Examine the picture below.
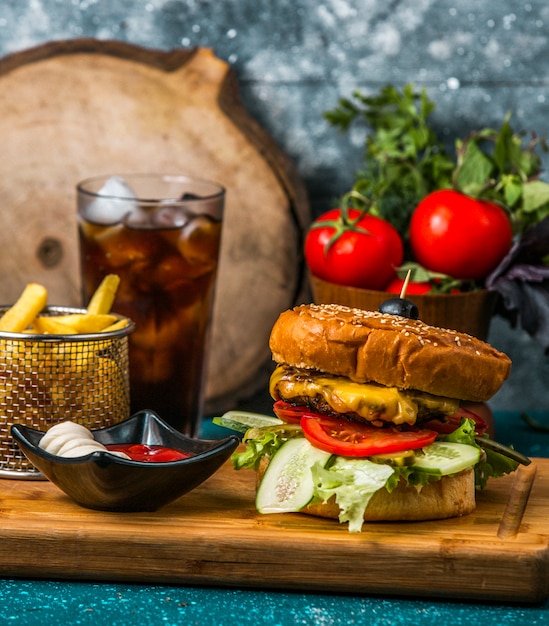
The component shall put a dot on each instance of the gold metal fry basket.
(46, 379)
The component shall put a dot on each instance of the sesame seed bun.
(367, 346)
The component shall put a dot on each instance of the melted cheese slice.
(372, 402)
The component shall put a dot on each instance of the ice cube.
(156, 216)
(199, 242)
(114, 201)
(169, 216)
(117, 187)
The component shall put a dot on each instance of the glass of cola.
(161, 235)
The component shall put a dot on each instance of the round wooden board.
(79, 108)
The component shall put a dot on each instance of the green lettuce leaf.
(265, 445)
(262, 442)
(492, 464)
(464, 434)
(353, 482)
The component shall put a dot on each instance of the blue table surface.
(28, 602)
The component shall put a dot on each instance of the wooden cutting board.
(214, 536)
(85, 107)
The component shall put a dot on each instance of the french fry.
(81, 323)
(103, 298)
(116, 326)
(50, 326)
(26, 308)
(88, 322)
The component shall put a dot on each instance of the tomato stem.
(345, 223)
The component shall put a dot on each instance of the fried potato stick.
(103, 298)
(81, 323)
(26, 308)
(116, 326)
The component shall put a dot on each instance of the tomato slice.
(449, 423)
(289, 413)
(359, 440)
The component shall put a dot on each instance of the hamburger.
(370, 424)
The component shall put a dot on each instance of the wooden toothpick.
(405, 285)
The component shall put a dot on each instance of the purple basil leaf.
(522, 280)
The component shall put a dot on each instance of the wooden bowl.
(466, 312)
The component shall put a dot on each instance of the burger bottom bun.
(451, 496)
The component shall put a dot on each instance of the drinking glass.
(161, 235)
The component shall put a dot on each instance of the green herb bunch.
(404, 160)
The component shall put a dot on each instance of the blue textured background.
(50, 602)
(294, 58)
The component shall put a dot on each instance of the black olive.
(400, 306)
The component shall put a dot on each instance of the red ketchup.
(148, 453)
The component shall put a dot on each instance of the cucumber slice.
(241, 421)
(444, 457)
(287, 485)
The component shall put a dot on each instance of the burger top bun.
(367, 346)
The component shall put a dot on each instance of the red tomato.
(148, 453)
(449, 423)
(288, 412)
(353, 249)
(395, 286)
(359, 440)
(459, 236)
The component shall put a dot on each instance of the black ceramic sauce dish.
(107, 482)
